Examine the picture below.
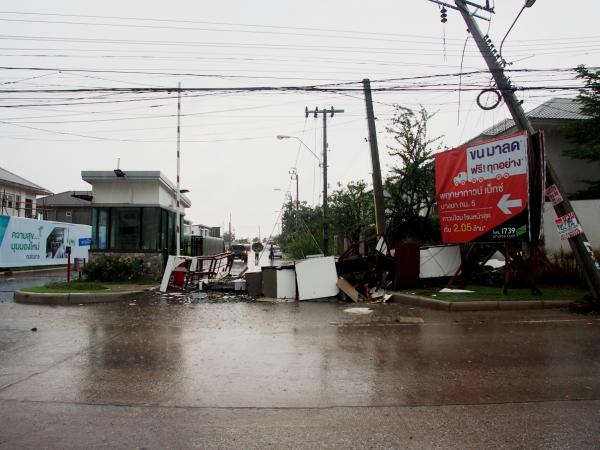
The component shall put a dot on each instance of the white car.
(277, 252)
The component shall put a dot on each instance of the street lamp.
(527, 4)
(283, 136)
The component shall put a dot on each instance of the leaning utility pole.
(585, 259)
(316, 113)
(178, 193)
(377, 183)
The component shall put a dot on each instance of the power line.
(526, 42)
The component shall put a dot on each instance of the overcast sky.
(231, 159)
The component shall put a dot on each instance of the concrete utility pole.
(294, 173)
(585, 258)
(229, 238)
(178, 194)
(377, 183)
(316, 113)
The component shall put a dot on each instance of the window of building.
(18, 205)
(10, 200)
(125, 229)
(146, 229)
(100, 222)
(68, 214)
(151, 235)
(28, 208)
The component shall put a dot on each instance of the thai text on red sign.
(482, 190)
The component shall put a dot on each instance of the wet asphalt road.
(295, 375)
(8, 284)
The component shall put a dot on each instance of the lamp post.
(283, 136)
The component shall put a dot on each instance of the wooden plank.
(349, 290)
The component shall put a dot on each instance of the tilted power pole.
(316, 113)
(585, 259)
(377, 183)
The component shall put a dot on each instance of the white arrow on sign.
(505, 204)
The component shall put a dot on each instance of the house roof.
(554, 109)
(67, 199)
(8, 177)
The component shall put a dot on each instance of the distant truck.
(240, 251)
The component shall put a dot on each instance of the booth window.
(144, 228)
(125, 229)
(100, 228)
(151, 229)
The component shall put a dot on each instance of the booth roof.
(92, 176)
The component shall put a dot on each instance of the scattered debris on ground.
(182, 298)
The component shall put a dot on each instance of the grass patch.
(62, 287)
(486, 293)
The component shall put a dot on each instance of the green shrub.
(107, 268)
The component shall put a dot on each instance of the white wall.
(20, 210)
(588, 213)
(571, 172)
(124, 192)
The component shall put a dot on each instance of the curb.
(75, 298)
(425, 302)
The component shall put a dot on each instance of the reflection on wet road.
(292, 355)
(8, 284)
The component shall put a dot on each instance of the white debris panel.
(439, 261)
(317, 278)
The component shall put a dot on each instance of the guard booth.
(134, 214)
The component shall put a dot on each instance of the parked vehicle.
(240, 251)
(277, 253)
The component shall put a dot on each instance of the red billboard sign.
(482, 191)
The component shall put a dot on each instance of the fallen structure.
(187, 272)
(360, 278)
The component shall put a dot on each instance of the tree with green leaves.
(586, 133)
(351, 211)
(411, 185)
(301, 230)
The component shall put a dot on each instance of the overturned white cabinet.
(279, 282)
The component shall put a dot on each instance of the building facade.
(134, 214)
(67, 207)
(205, 230)
(18, 195)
